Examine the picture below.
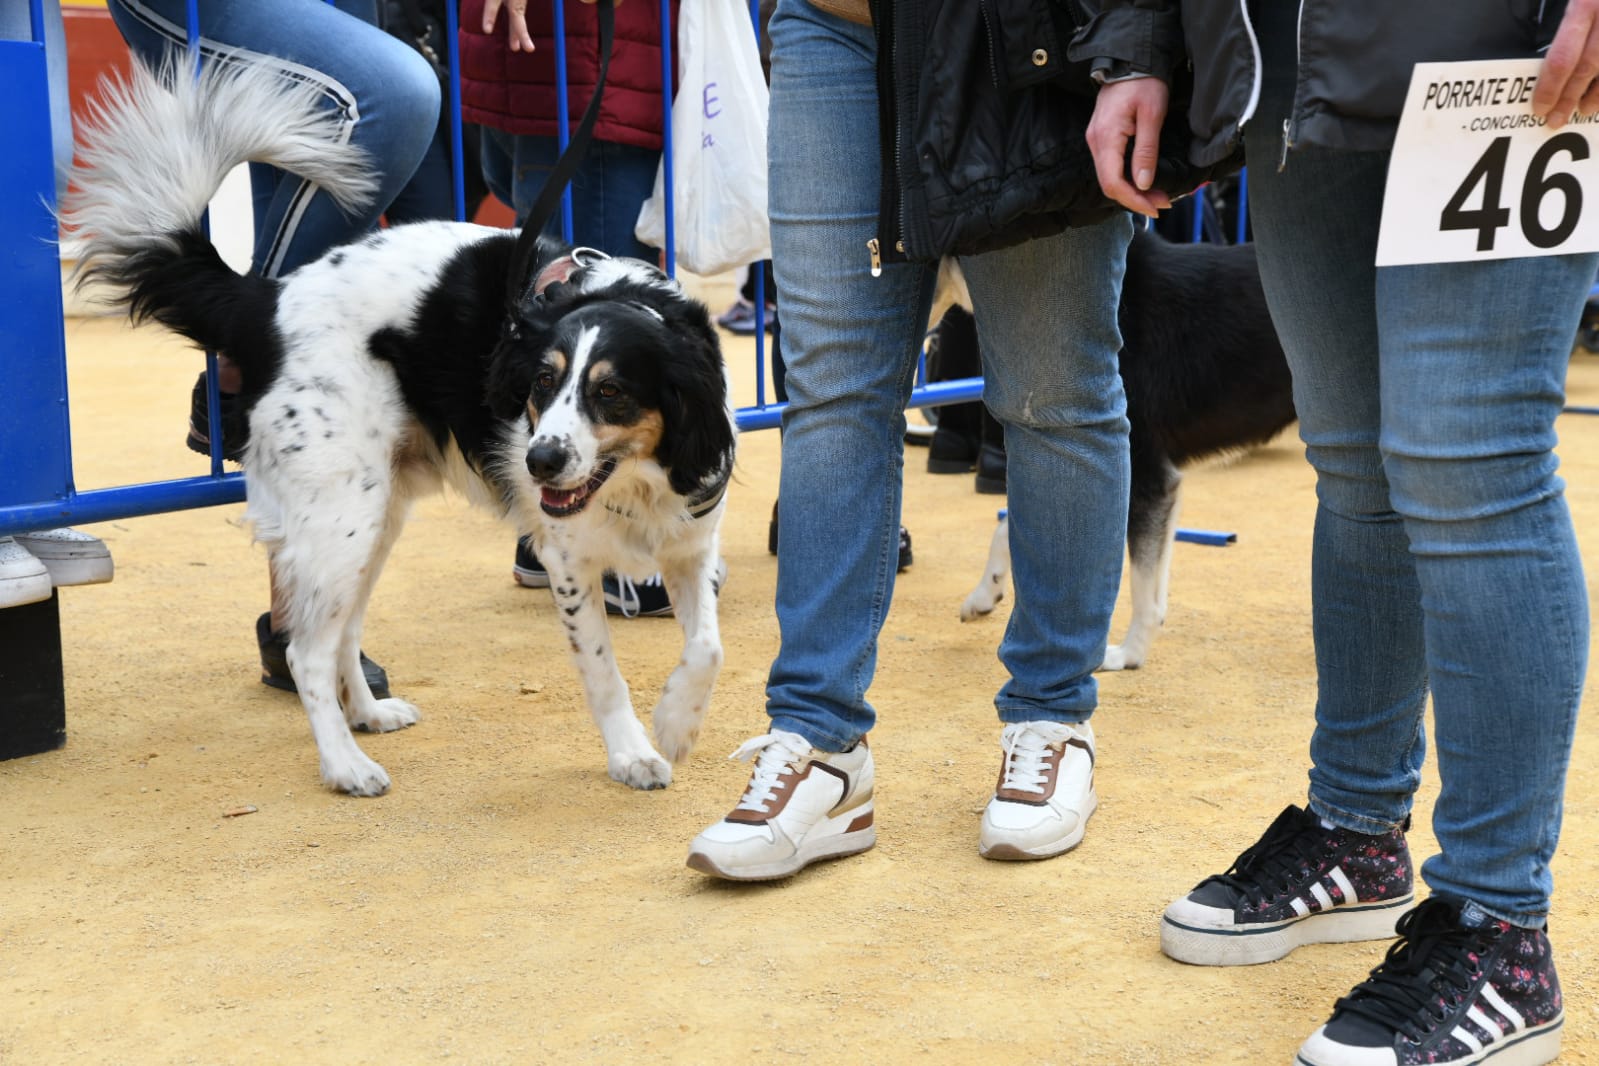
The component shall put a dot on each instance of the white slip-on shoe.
(73, 558)
(801, 805)
(23, 579)
(1045, 791)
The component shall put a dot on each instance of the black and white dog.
(594, 417)
(1204, 375)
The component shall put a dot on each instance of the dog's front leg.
(1149, 553)
(629, 757)
(313, 661)
(687, 694)
(996, 574)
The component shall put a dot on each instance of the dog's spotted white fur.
(336, 455)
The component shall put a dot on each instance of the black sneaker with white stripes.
(1301, 883)
(1458, 987)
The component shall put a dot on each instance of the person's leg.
(608, 189)
(849, 350)
(386, 92)
(496, 161)
(1318, 273)
(430, 194)
(1304, 882)
(850, 345)
(1474, 359)
(1443, 551)
(1051, 378)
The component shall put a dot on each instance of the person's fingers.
(516, 15)
(1566, 77)
(491, 11)
(1150, 113)
(1128, 111)
(515, 20)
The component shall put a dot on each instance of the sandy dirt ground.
(508, 903)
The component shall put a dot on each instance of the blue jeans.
(1046, 315)
(610, 186)
(1443, 556)
(385, 90)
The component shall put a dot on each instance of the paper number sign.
(1475, 176)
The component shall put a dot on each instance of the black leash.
(521, 276)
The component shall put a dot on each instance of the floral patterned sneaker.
(1458, 987)
(1301, 883)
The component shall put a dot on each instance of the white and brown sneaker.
(801, 805)
(1045, 792)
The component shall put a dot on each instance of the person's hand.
(1130, 110)
(1566, 79)
(515, 16)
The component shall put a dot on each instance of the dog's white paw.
(385, 716)
(677, 723)
(677, 733)
(356, 774)
(642, 772)
(983, 599)
(1117, 657)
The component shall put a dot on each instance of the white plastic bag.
(718, 144)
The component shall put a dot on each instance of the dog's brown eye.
(608, 391)
(544, 381)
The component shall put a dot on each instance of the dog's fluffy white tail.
(155, 148)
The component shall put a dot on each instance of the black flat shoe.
(235, 430)
(275, 662)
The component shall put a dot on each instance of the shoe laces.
(1425, 975)
(1278, 859)
(627, 593)
(1026, 746)
(778, 751)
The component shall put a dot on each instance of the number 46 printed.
(1475, 176)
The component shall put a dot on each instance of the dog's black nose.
(546, 459)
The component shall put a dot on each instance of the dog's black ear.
(698, 442)
(510, 378)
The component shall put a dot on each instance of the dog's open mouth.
(562, 502)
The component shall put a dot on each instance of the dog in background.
(1204, 375)
(590, 409)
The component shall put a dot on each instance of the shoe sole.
(91, 571)
(990, 486)
(531, 579)
(21, 591)
(1247, 946)
(832, 847)
(1012, 853)
(1534, 1048)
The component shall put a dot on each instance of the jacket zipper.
(1293, 104)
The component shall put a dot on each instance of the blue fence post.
(35, 446)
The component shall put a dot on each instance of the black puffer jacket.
(1355, 59)
(983, 122)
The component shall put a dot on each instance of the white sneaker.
(72, 558)
(23, 579)
(1045, 792)
(801, 805)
